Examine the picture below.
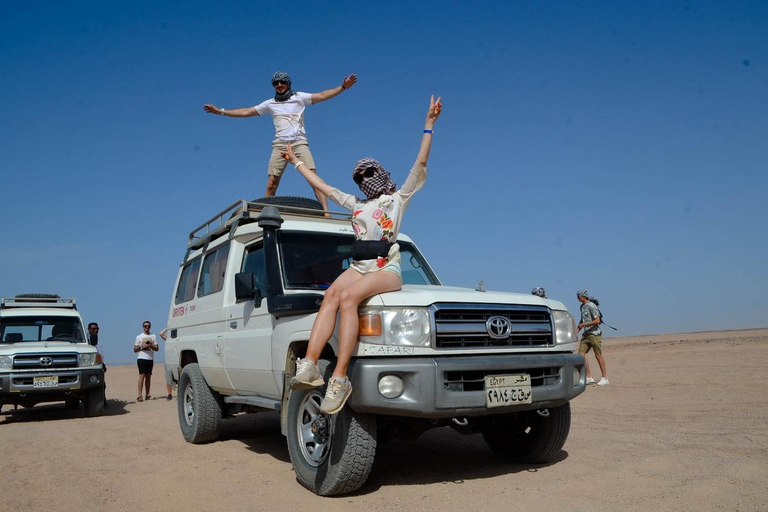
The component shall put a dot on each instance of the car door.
(248, 337)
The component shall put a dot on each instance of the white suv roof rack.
(38, 301)
(232, 216)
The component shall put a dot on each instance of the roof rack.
(241, 212)
(37, 302)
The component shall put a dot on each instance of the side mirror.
(245, 287)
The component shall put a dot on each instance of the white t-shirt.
(149, 353)
(288, 116)
(380, 219)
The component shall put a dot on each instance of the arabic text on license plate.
(501, 390)
(46, 382)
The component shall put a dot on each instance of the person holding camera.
(375, 266)
(145, 347)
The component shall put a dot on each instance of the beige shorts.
(591, 341)
(277, 163)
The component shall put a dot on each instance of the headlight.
(6, 363)
(404, 327)
(407, 327)
(565, 327)
(86, 360)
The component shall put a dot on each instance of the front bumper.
(71, 381)
(445, 387)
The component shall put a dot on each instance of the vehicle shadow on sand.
(56, 412)
(440, 455)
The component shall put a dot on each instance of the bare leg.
(320, 196)
(147, 381)
(141, 383)
(325, 322)
(601, 362)
(272, 183)
(350, 299)
(169, 388)
(586, 365)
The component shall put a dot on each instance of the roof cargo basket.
(37, 300)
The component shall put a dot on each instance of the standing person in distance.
(93, 339)
(592, 338)
(145, 347)
(376, 260)
(168, 374)
(287, 111)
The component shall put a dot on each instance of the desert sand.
(682, 426)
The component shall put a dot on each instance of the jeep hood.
(426, 295)
(33, 347)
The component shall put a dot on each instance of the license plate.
(502, 390)
(46, 382)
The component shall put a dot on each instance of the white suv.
(247, 292)
(44, 354)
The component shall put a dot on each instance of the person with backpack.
(592, 338)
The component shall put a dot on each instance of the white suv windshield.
(40, 328)
(315, 260)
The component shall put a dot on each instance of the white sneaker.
(336, 395)
(603, 382)
(590, 380)
(307, 375)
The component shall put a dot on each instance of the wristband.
(223, 110)
(344, 88)
(428, 131)
(297, 164)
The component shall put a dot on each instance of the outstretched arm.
(435, 107)
(234, 112)
(314, 180)
(348, 82)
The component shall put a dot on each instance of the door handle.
(233, 324)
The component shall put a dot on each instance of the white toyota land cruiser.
(247, 292)
(44, 355)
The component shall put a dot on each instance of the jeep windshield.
(315, 260)
(40, 328)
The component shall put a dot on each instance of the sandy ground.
(682, 426)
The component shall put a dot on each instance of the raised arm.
(435, 107)
(314, 180)
(348, 82)
(234, 112)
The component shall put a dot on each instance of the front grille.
(33, 361)
(464, 326)
(67, 380)
(475, 380)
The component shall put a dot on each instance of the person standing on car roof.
(287, 111)
(375, 266)
(145, 347)
(592, 338)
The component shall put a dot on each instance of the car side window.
(188, 282)
(253, 262)
(212, 277)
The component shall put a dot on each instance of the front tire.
(334, 454)
(530, 437)
(94, 402)
(199, 407)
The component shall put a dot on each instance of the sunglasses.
(147, 326)
(280, 82)
(94, 328)
(367, 173)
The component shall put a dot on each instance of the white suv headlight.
(6, 363)
(86, 360)
(409, 327)
(565, 327)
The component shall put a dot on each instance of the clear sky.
(610, 145)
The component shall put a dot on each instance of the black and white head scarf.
(378, 184)
(283, 77)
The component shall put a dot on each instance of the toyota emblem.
(499, 327)
(46, 361)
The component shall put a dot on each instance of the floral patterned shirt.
(588, 313)
(380, 219)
